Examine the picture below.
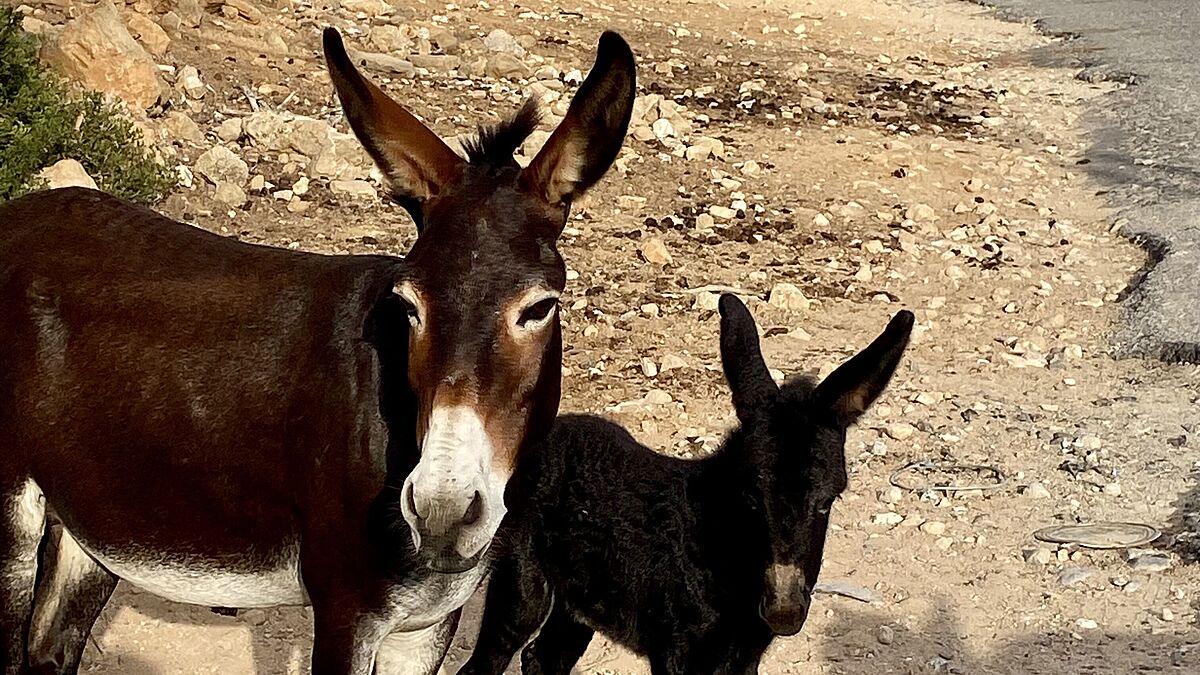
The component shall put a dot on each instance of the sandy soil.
(905, 154)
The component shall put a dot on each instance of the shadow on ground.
(852, 645)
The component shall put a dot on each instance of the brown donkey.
(243, 426)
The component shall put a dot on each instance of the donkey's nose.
(448, 525)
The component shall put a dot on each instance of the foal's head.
(795, 437)
(481, 286)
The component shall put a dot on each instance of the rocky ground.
(830, 160)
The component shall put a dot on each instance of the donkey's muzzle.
(451, 530)
(785, 605)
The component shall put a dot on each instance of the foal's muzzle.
(785, 605)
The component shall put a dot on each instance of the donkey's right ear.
(415, 161)
(741, 357)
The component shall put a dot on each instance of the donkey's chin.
(444, 562)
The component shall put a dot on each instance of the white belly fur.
(207, 584)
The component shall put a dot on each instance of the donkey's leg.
(344, 640)
(419, 652)
(24, 516)
(518, 603)
(558, 647)
(72, 590)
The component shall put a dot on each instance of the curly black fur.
(694, 564)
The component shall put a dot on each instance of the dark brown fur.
(168, 395)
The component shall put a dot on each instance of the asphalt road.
(1146, 148)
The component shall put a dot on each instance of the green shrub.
(42, 120)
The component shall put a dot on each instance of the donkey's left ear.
(584, 146)
(746, 372)
(854, 386)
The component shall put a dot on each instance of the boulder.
(97, 50)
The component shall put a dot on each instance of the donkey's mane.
(494, 146)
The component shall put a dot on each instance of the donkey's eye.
(537, 312)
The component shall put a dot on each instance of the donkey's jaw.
(453, 500)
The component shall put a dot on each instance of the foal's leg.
(558, 647)
(419, 652)
(518, 602)
(72, 589)
(23, 511)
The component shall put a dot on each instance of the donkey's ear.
(584, 146)
(854, 386)
(415, 161)
(747, 373)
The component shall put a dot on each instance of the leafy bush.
(42, 121)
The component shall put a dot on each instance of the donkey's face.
(796, 439)
(481, 286)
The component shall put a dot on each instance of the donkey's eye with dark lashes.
(537, 312)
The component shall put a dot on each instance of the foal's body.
(696, 565)
(610, 541)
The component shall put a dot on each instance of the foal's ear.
(854, 386)
(747, 373)
(416, 162)
(584, 146)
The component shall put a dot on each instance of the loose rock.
(66, 173)
(499, 40)
(506, 66)
(788, 297)
(221, 165)
(1037, 491)
(655, 252)
(230, 194)
(191, 84)
(150, 34)
(1151, 562)
(357, 189)
(1072, 576)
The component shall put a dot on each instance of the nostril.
(410, 502)
(474, 510)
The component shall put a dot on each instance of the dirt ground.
(890, 154)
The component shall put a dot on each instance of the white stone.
(66, 173)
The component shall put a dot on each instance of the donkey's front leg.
(419, 652)
(345, 639)
(23, 523)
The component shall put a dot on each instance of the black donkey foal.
(695, 564)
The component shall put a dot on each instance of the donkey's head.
(481, 286)
(795, 438)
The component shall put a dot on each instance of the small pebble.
(1037, 491)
